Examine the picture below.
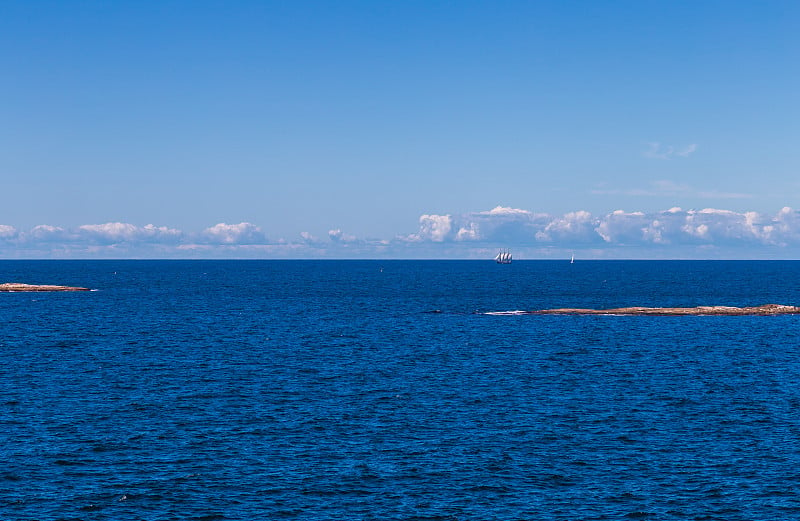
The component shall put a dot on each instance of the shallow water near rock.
(329, 390)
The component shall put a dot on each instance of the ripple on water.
(159, 397)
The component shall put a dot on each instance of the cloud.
(573, 226)
(468, 233)
(656, 150)
(619, 228)
(161, 234)
(7, 232)
(47, 233)
(338, 236)
(728, 227)
(111, 233)
(242, 233)
(435, 227)
(504, 210)
(668, 234)
(708, 226)
(499, 224)
(308, 238)
(785, 227)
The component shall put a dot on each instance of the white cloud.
(161, 233)
(728, 227)
(7, 232)
(504, 210)
(499, 224)
(468, 233)
(619, 228)
(110, 233)
(308, 238)
(786, 226)
(573, 226)
(45, 230)
(435, 227)
(471, 235)
(50, 234)
(242, 233)
(338, 236)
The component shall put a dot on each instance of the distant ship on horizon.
(504, 257)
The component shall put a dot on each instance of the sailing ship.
(504, 257)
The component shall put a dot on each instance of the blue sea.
(378, 390)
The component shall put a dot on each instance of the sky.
(413, 129)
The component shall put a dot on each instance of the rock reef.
(15, 286)
(766, 309)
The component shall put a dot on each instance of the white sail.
(504, 257)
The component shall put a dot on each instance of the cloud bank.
(618, 228)
(671, 233)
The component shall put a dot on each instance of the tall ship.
(504, 257)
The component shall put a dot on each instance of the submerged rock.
(14, 286)
(766, 309)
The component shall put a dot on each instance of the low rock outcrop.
(15, 286)
(766, 309)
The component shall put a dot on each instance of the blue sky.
(400, 129)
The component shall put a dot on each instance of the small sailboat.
(504, 257)
(572, 260)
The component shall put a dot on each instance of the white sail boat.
(504, 257)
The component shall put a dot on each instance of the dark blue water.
(326, 390)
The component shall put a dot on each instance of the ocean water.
(322, 390)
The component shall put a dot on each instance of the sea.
(382, 390)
